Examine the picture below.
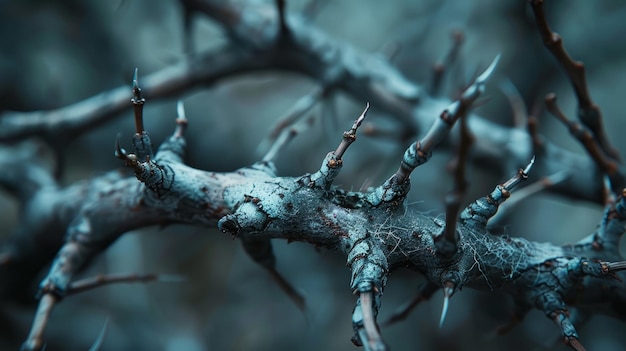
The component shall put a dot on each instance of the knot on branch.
(392, 192)
(368, 264)
(414, 156)
(324, 177)
(248, 217)
(446, 247)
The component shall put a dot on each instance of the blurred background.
(57, 52)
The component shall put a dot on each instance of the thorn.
(362, 116)
(138, 102)
(529, 166)
(97, 345)
(444, 310)
(349, 136)
(616, 266)
(448, 290)
(135, 82)
(181, 119)
(180, 110)
(119, 151)
(489, 71)
(608, 196)
(540, 185)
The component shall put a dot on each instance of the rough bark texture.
(375, 230)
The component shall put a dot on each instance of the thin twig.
(589, 113)
(35, 337)
(520, 112)
(349, 136)
(440, 67)
(297, 111)
(424, 293)
(442, 126)
(282, 19)
(584, 136)
(447, 242)
(542, 184)
(373, 339)
(106, 279)
(138, 102)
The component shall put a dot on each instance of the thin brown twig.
(532, 128)
(297, 111)
(374, 341)
(282, 18)
(439, 68)
(589, 113)
(349, 136)
(138, 102)
(520, 112)
(583, 135)
(293, 294)
(285, 137)
(540, 185)
(106, 279)
(49, 300)
(447, 243)
(35, 337)
(441, 127)
(425, 292)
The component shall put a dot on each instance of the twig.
(589, 113)
(298, 110)
(282, 19)
(349, 136)
(583, 135)
(107, 279)
(520, 113)
(424, 293)
(442, 126)
(373, 341)
(138, 102)
(440, 67)
(540, 185)
(447, 242)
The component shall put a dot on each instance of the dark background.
(53, 53)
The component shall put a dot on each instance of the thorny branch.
(255, 205)
(589, 113)
(256, 45)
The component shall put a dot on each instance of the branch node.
(138, 102)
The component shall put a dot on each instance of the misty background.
(57, 52)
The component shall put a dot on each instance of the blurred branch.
(366, 77)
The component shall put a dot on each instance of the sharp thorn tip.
(180, 109)
(530, 165)
(444, 309)
(135, 83)
(489, 71)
